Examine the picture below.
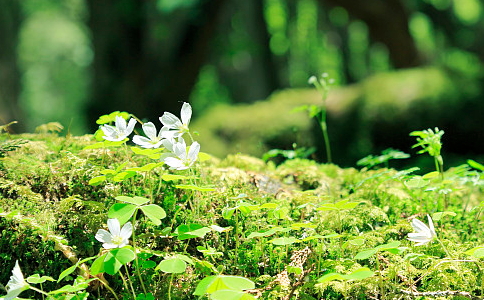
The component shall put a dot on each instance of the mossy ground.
(46, 202)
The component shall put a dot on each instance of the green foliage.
(248, 223)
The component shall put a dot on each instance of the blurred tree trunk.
(142, 67)
(243, 55)
(387, 22)
(10, 21)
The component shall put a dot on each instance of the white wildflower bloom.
(152, 140)
(120, 131)
(177, 126)
(115, 237)
(424, 233)
(16, 284)
(181, 158)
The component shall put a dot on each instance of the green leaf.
(228, 213)
(439, 215)
(230, 295)
(284, 241)
(477, 252)
(195, 187)
(349, 205)
(105, 144)
(172, 265)
(202, 156)
(154, 213)
(474, 164)
(108, 172)
(391, 245)
(133, 200)
(122, 211)
(235, 283)
(97, 266)
(330, 277)
(294, 270)
(366, 254)
(191, 231)
(97, 180)
(326, 207)
(147, 296)
(34, 279)
(171, 177)
(121, 176)
(268, 205)
(203, 285)
(145, 168)
(265, 233)
(72, 268)
(359, 274)
(72, 288)
(151, 153)
(117, 258)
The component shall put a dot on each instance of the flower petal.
(419, 226)
(170, 120)
(126, 231)
(186, 113)
(150, 130)
(120, 123)
(175, 163)
(193, 152)
(130, 128)
(431, 226)
(114, 227)
(103, 236)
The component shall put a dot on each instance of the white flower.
(173, 122)
(16, 284)
(116, 238)
(152, 140)
(120, 131)
(424, 233)
(181, 159)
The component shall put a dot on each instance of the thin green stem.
(443, 247)
(170, 284)
(38, 291)
(105, 283)
(125, 283)
(133, 238)
(324, 128)
(130, 281)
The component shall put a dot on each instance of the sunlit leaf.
(366, 254)
(195, 187)
(284, 241)
(116, 258)
(97, 180)
(133, 200)
(35, 279)
(231, 295)
(122, 211)
(154, 212)
(172, 265)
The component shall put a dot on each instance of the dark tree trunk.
(10, 21)
(387, 22)
(249, 70)
(141, 67)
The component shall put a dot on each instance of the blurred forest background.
(73, 60)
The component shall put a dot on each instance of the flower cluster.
(170, 136)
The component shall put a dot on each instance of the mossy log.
(363, 118)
